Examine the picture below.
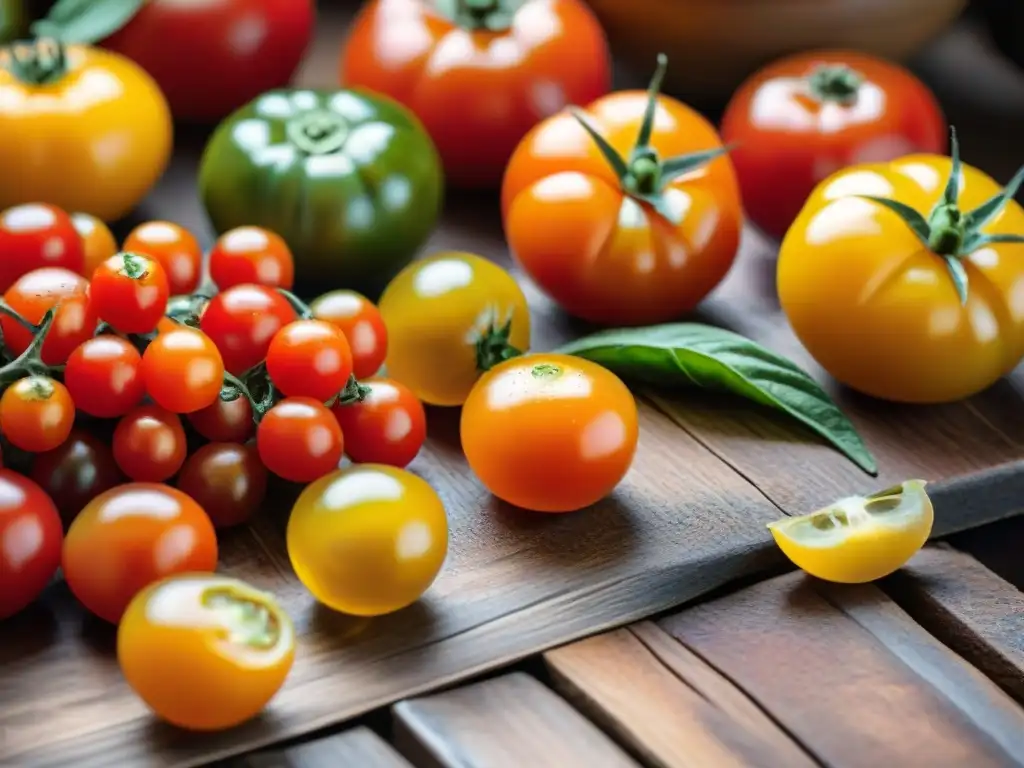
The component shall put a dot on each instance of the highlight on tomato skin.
(29, 517)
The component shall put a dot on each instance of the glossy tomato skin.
(878, 310)
(131, 536)
(174, 247)
(36, 414)
(787, 138)
(309, 358)
(191, 650)
(224, 421)
(388, 427)
(299, 440)
(39, 290)
(227, 480)
(242, 321)
(251, 255)
(30, 541)
(478, 92)
(97, 241)
(129, 291)
(35, 235)
(104, 376)
(550, 432)
(76, 472)
(183, 370)
(368, 540)
(361, 322)
(149, 444)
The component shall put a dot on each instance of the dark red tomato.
(76, 472)
(360, 321)
(36, 414)
(182, 369)
(37, 235)
(174, 247)
(225, 479)
(104, 378)
(210, 58)
(388, 427)
(251, 255)
(225, 421)
(149, 444)
(309, 358)
(39, 290)
(129, 291)
(804, 117)
(300, 440)
(242, 320)
(30, 541)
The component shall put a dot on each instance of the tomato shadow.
(30, 632)
(443, 435)
(166, 738)
(99, 637)
(373, 638)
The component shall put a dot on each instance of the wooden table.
(783, 672)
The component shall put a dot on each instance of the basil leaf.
(689, 354)
(86, 21)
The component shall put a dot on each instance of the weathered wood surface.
(358, 748)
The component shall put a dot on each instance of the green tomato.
(12, 20)
(350, 180)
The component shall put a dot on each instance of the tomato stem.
(134, 265)
(250, 622)
(7, 309)
(493, 347)
(30, 361)
(835, 82)
(302, 309)
(318, 132)
(492, 15)
(234, 387)
(354, 392)
(42, 62)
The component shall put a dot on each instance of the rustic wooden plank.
(853, 678)
(357, 748)
(988, 545)
(666, 704)
(506, 722)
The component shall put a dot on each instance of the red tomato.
(183, 370)
(76, 472)
(251, 255)
(129, 291)
(388, 427)
(104, 378)
(36, 414)
(804, 117)
(478, 80)
(242, 321)
(174, 247)
(360, 321)
(300, 440)
(224, 421)
(37, 235)
(149, 444)
(236, 50)
(39, 290)
(309, 358)
(227, 480)
(30, 541)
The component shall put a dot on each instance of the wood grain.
(358, 748)
(506, 722)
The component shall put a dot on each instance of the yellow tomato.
(860, 538)
(368, 540)
(925, 316)
(449, 318)
(99, 241)
(83, 128)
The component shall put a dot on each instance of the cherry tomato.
(550, 432)
(251, 255)
(131, 536)
(39, 290)
(97, 240)
(242, 321)
(37, 235)
(224, 421)
(368, 540)
(480, 76)
(149, 444)
(227, 480)
(104, 376)
(388, 427)
(129, 291)
(36, 414)
(299, 439)
(205, 652)
(309, 358)
(360, 321)
(183, 370)
(804, 117)
(174, 248)
(30, 541)
(76, 472)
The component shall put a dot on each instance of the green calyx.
(546, 371)
(644, 175)
(249, 622)
(318, 132)
(953, 234)
(490, 15)
(835, 82)
(134, 265)
(493, 347)
(43, 62)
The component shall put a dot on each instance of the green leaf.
(613, 158)
(988, 210)
(911, 217)
(674, 167)
(959, 275)
(680, 355)
(86, 21)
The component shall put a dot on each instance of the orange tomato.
(623, 214)
(36, 413)
(174, 247)
(97, 239)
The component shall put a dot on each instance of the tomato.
(30, 541)
(251, 255)
(35, 235)
(129, 291)
(309, 358)
(224, 421)
(478, 76)
(621, 214)
(804, 117)
(97, 241)
(368, 540)
(129, 537)
(360, 321)
(83, 129)
(227, 480)
(149, 444)
(104, 376)
(885, 304)
(205, 652)
(36, 414)
(183, 370)
(388, 427)
(174, 247)
(449, 317)
(549, 432)
(299, 440)
(242, 321)
(76, 472)
(39, 290)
